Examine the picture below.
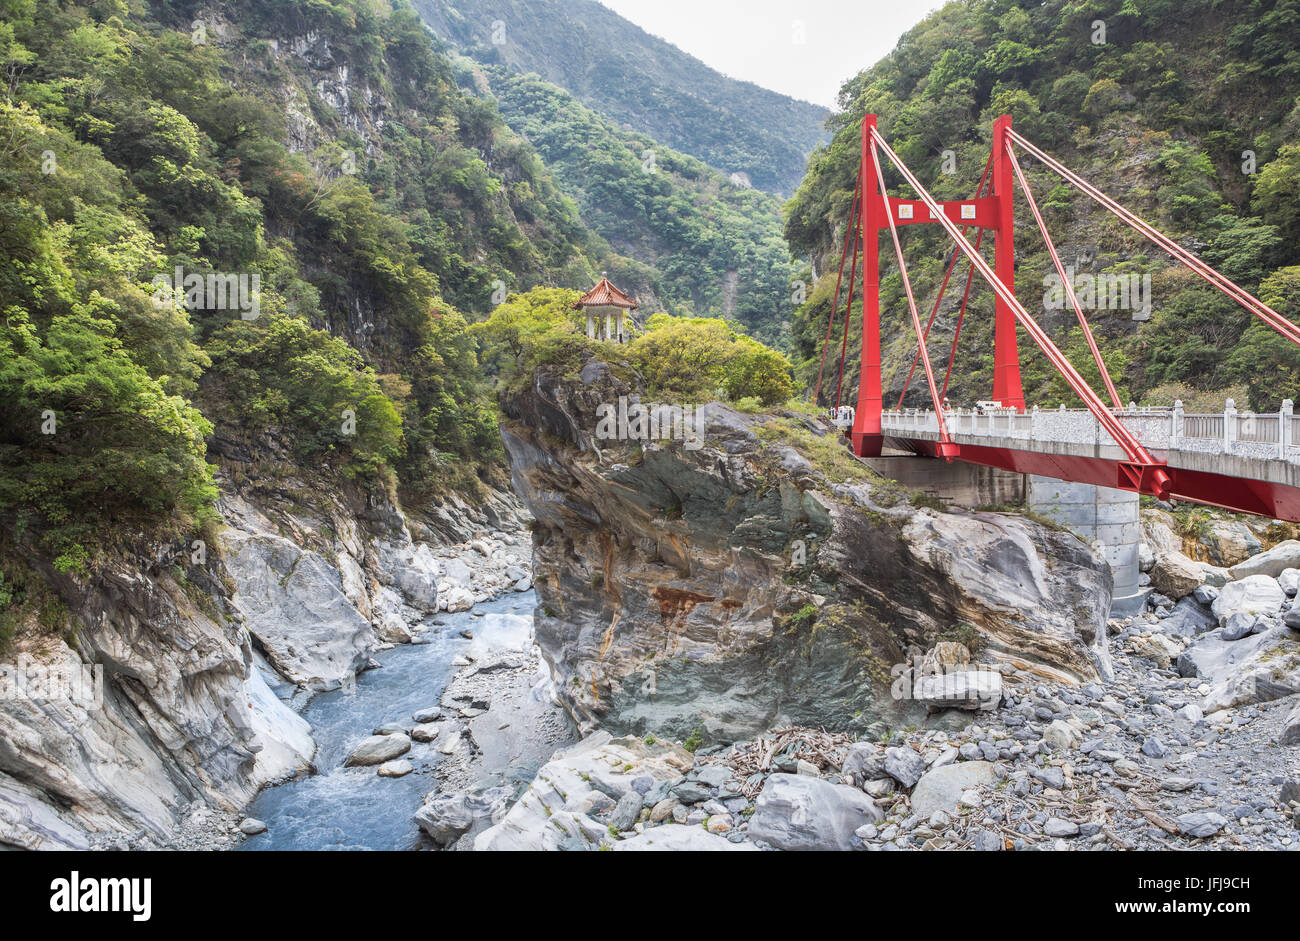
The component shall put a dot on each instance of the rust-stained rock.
(726, 588)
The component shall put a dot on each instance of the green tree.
(1267, 363)
(762, 373)
(523, 319)
(1277, 192)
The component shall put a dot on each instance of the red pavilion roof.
(605, 293)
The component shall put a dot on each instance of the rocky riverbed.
(1192, 745)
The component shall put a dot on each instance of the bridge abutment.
(1107, 519)
(966, 485)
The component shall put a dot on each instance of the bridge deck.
(1239, 461)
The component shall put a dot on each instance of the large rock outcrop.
(727, 584)
(303, 581)
(181, 713)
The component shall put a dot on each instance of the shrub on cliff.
(521, 322)
(92, 441)
(691, 357)
(314, 385)
(761, 373)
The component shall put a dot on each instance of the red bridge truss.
(1133, 467)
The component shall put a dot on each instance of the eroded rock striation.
(295, 590)
(745, 579)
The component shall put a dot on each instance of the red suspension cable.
(911, 300)
(844, 254)
(848, 307)
(934, 311)
(1137, 454)
(1060, 271)
(961, 315)
(1257, 307)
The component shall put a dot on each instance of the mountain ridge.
(646, 82)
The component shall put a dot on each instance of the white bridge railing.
(1273, 436)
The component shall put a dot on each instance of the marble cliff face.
(726, 588)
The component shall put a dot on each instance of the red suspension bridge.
(1248, 463)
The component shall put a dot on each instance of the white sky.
(757, 40)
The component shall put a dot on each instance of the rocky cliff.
(759, 575)
(183, 644)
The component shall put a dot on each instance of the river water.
(341, 808)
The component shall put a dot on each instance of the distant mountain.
(680, 235)
(639, 80)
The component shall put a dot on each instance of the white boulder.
(1254, 594)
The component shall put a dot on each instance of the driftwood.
(825, 750)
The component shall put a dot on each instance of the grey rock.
(1190, 617)
(1058, 827)
(1291, 727)
(377, 749)
(941, 789)
(904, 765)
(1052, 777)
(626, 811)
(796, 812)
(714, 775)
(1008, 576)
(986, 841)
(1213, 658)
(1201, 824)
(1290, 792)
(1238, 626)
(1206, 594)
(677, 838)
(293, 603)
(689, 792)
(864, 762)
(397, 768)
(1154, 748)
(251, 826)
(446, 817)
(597, 802)
(425, 733)
(1254, 594)
(1270, 563)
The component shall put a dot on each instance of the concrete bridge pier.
(1105, 518)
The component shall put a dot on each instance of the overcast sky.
(759, 40)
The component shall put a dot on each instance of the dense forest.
(267, 229)
(1184, 110)
(320, 159)
(693, 241)
(637, 80)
